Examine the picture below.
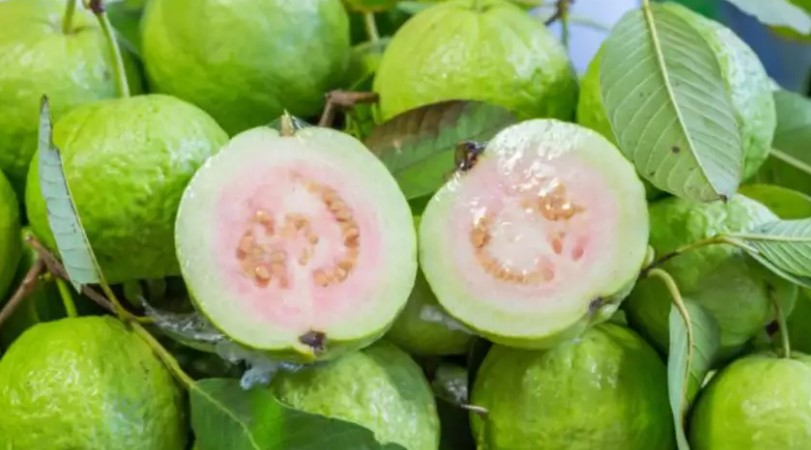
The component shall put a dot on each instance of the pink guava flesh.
(297, 256)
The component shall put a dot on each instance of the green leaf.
(776, 13)
(450, 384)
(789, 163)
(669, 107)
(225, 416)
(71, 241)
(783, 246)
(784, 202)
(418, 146)
(694, 341)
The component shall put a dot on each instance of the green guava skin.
(760, 401)
(88, 383)
(496, 53)
(38, 59)
(604, 391)
(744, 75)
(127, 163)
(370, 5)
(731, 286)
(10, 245)
(379, 387)
(246, 61)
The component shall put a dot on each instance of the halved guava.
(298, 243)
(544, 234)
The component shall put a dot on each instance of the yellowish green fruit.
(10, 245)
(486, 50)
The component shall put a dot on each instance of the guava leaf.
(783, 246)
(223, 415)
(694, 341)
(784, 202)
(789, 163)
(776, 13)
(450, 384)
(71, 241)
(418, 146)
(668, 105)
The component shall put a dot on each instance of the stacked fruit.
(475, 244)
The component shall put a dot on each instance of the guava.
(127, 162)
(735, 289)
(420, 329)
(10, 247)
(38, 58)
(760, 401)
(370, 5)
(246, 61)
(379, 387)
(543, 236)
(485, 50)
(298, 243)
(88, 383)
(606, 390)
(746, 80)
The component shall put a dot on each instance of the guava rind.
(606, 390)
(497, 54)
(127, 162)
(735, 289)
(37, 58)
(194, 258)
(559, 326)
(760, 401)
(10, 245)
(88, 383)
(379, 387)
(744, 76)
(246, 61)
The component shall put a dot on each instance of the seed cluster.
(268, 261)
(553, 206)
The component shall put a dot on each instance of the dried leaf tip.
(287, 127)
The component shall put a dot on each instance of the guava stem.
(718, 239)
(371, 27)
(781, 321)
(67, 298)
(25, 288)
(109, 34)
(168, 360)
(67, 18)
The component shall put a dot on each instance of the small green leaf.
(225, 416)
(776, 13)
(418, 146)
(783, 246)
(784, 202)
(694, 341)
(71, 241)
(669, 107)
(789, 163)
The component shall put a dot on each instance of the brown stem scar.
(314, 339)
(345, 100)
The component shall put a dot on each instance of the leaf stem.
(67, 18)
(118, 308)
(781, 322)
(25, 288)
(371, 27)
(168, 360)
(67, 297)
(109, 34)
(714, 240)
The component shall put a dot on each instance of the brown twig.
(23, 291)
(344, 100)
(562, 8)
(58, 270)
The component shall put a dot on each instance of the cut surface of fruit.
(544, 234)
(306, 241)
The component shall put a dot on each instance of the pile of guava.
(379, 224)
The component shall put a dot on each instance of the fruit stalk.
(67, 298)
(118, 63)
(371, 27)
(67, 19)
(168, 360)
(25, 288)
(719, 239)
(784, 335)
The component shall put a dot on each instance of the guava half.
(758, 402)
(297, 243)
(542, 236)
(606, 390)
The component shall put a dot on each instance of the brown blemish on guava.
(314, 339)
(267, 261)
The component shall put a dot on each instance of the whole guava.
(10, 246)
(734, 288)
(746, 80)
(38, 58)
(485, 50)
(127, 162)
(88, 383)
(246, 61)
(605, 390)
(760, 401)
(370, 5)
(379, 387)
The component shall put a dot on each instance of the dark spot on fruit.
(724, 198)
(675, 149)
(595, 305)
(314, 339)
(466, 154)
